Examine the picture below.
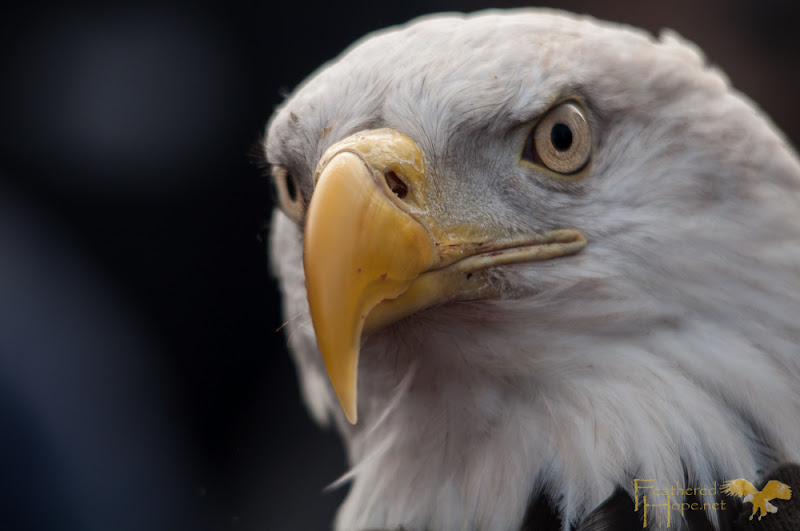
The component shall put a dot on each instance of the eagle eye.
(561, 140)
(287, 190)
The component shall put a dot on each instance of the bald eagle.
(529, 258)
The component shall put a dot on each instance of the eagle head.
(529, 255)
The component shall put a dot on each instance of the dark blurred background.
(143, 382)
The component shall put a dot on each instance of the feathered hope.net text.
(647, 494)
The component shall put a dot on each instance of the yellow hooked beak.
(374, 251)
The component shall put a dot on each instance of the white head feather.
(667, 349)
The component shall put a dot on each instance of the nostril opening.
(396, 185)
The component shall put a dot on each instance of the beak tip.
(349, 404)
(352, 415)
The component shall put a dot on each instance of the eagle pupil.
(291, 189)
(561, 137)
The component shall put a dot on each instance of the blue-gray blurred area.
(143, 382)
(84, 418)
